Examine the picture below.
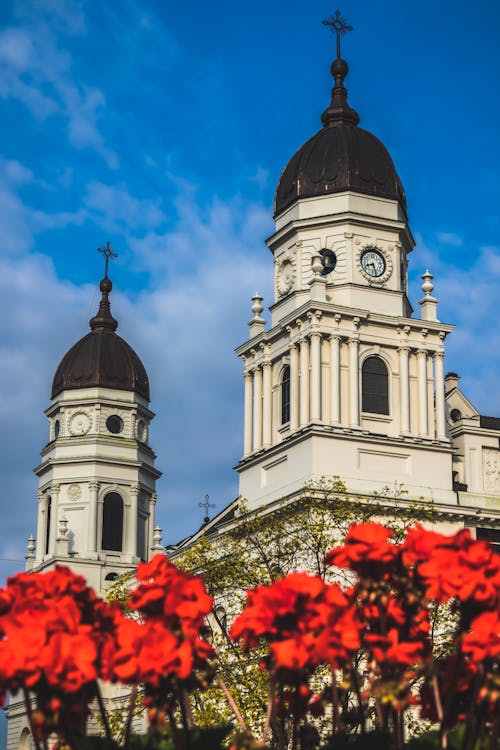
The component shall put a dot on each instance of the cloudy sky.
(163, 127)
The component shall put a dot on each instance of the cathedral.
(347, 380)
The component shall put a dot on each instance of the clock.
(373, 263)
(79, 423)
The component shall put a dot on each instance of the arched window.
(285, 395)
(375, 386)
(47, 525)
(25, 742)
(112, 522)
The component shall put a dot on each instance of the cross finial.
(206, 505)
(108, 253)
(338, 25)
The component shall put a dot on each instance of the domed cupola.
(102, 358)
(339, 157)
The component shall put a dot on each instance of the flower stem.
(269, 712)
(232, 703)
(104, 715)
(27, 705)
(130, 715)
(357, 690)
(335, 702)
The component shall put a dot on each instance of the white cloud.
(468, 299)
(37, 70)
(117, 209)
(184, 327)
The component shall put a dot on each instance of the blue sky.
(163, 127)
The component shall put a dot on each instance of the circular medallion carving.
(74, 492)
(286, 275)
(79, 423)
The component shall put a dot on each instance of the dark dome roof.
(102, 358)
(339, 157)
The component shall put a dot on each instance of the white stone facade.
(323, 328)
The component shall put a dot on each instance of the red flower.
(171, 594)
(366, 544)
(483, 641)
(305, 620)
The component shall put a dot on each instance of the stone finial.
(257, 323)
(157, 534)
(427, 286)
(30, 555)
(428, 304)
(318, 282)
(62, 541)
(317, 265)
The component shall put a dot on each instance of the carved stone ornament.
(79, 423)
(74, 492)
(285, 276)
(491, 469)
(374, 280)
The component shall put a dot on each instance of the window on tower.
(285, 395)
(375, 386)
(47, 525)
(112, 522)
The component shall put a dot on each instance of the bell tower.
(345, 382)
(96, 481)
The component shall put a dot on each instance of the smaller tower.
(96, 493)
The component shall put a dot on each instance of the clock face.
(373, 263)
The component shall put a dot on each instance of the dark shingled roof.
(339, 157)
(102, 358)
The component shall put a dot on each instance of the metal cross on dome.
(338, 25)
(206, 505)
(108, 253)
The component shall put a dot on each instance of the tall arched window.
(112, 522)
(285, 395)
(375, 386)
(47, 525)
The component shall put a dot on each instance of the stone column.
(423, 407)
(92, 530)
(247, 440)
(439, 381)
(257, 409)
(335, 379)
(151, 523)
(404, 383)
(294, 387)
(54, 517)
(41, 527)
(132, 520)
(304, 382)
(267, 405)
(354, 382)
(315, 376)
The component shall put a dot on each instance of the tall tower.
(96, 491)
(345, 382)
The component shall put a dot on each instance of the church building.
(347, 380)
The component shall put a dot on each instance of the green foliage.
(263, 545)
